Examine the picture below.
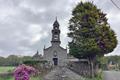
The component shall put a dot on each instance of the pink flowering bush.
(23, 72)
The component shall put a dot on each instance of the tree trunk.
(92, 68)
(92, 63)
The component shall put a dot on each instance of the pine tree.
(90, 32)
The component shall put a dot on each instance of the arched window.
(55, 54)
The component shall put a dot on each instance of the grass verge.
(99, 76)
(11, 78)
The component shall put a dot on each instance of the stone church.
(55, 54)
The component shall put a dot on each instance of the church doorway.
(55, 60)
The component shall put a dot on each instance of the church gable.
(59, 48)
(52, 50)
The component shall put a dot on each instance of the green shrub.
(34, 62)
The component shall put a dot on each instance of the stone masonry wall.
(82, 68)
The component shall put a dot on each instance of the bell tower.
(55, 54)
(55, 33)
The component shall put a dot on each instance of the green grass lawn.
(6, 68)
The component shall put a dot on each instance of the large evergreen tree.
(90, 32)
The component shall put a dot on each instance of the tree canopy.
(90, 32)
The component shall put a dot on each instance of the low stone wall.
(6, 74)
(80, 67)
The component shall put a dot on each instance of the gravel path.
(62, 73)
(111, 75)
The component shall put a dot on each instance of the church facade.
(55, 54)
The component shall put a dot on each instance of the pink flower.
(23, 72)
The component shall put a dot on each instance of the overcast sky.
(25, 25)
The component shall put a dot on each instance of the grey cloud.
(15, 36)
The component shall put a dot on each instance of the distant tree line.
(13, 60)
(104, 61)
(107, 59)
